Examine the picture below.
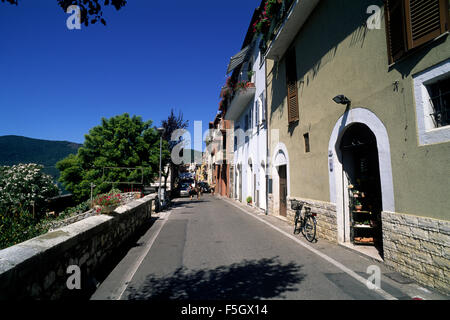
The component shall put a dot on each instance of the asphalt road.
(210, 249)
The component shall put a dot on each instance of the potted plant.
(107, 203)
(250, 75)
(249, 200)
(358, 205)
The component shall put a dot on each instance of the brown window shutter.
(425, 20)
(395, 29)
(292, 90)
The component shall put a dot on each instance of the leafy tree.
(170, 125)
(118, 143)
(91, 10)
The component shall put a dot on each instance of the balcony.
(286, 25)
(239, 102)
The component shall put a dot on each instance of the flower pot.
(358, 207)
(108, 210)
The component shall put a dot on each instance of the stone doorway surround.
(280, 157)
(335, 168)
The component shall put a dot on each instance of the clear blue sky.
(152, 56)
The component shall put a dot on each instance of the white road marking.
(164, 216)
(337, 264)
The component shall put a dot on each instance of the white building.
(247, 110)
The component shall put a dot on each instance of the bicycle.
(306, 224)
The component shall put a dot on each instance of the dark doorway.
(361, 167)
(282, 172)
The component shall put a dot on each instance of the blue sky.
(152, 56)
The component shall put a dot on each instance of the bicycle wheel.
(309, 229)
(297, 223)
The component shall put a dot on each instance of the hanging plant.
(272, 7)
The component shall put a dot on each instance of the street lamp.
(341, 99)
(161, 132)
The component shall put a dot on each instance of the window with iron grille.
(432, 101)
(411, 23)
(439, 93)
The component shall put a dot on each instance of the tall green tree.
(171, 124)
(122, 149)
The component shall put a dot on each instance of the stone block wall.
(419, 248)
(37, 268)
(326, 217)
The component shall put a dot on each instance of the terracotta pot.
(108, 210)
(358, 207)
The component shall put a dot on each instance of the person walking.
(191, 190)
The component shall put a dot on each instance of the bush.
(18, 227)
(22, 185)
(249, 199)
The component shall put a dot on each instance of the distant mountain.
(17, 149)
(192, 156)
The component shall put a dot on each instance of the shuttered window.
(411, 23)
(291, 82)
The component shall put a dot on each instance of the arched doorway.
(339, 192)
(250, 186)
(361, 179)
(281, 179)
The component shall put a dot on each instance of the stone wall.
(37, 268)
(418, 248)
(326, 217)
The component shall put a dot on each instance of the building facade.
(247, 112)
(358, 111)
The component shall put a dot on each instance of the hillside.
(17, 149)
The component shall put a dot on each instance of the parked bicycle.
(306, 223)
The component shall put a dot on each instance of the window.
(291, 82)
(439, 93)
(263, 107)
(432, 96)
(246, 122)
(307, 146)
(411, 23)
(256, 113)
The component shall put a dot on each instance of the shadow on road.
(248, 280)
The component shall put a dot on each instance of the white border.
(282, 147)
(427, 133)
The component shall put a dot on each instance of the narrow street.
(213, 249)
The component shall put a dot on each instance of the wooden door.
(283, 190)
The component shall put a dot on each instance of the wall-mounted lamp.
(341, 99)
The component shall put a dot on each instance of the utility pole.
(161, 131)
(92, 191)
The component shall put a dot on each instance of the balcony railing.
(239, 101)
(285, 25)
(276, 23)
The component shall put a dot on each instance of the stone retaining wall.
(418, 248)
(37, 268)
(126, 198)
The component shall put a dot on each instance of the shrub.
(249, 199)
(18, 227)
(22, 185)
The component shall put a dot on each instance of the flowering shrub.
(111, 199)
(23, 184)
